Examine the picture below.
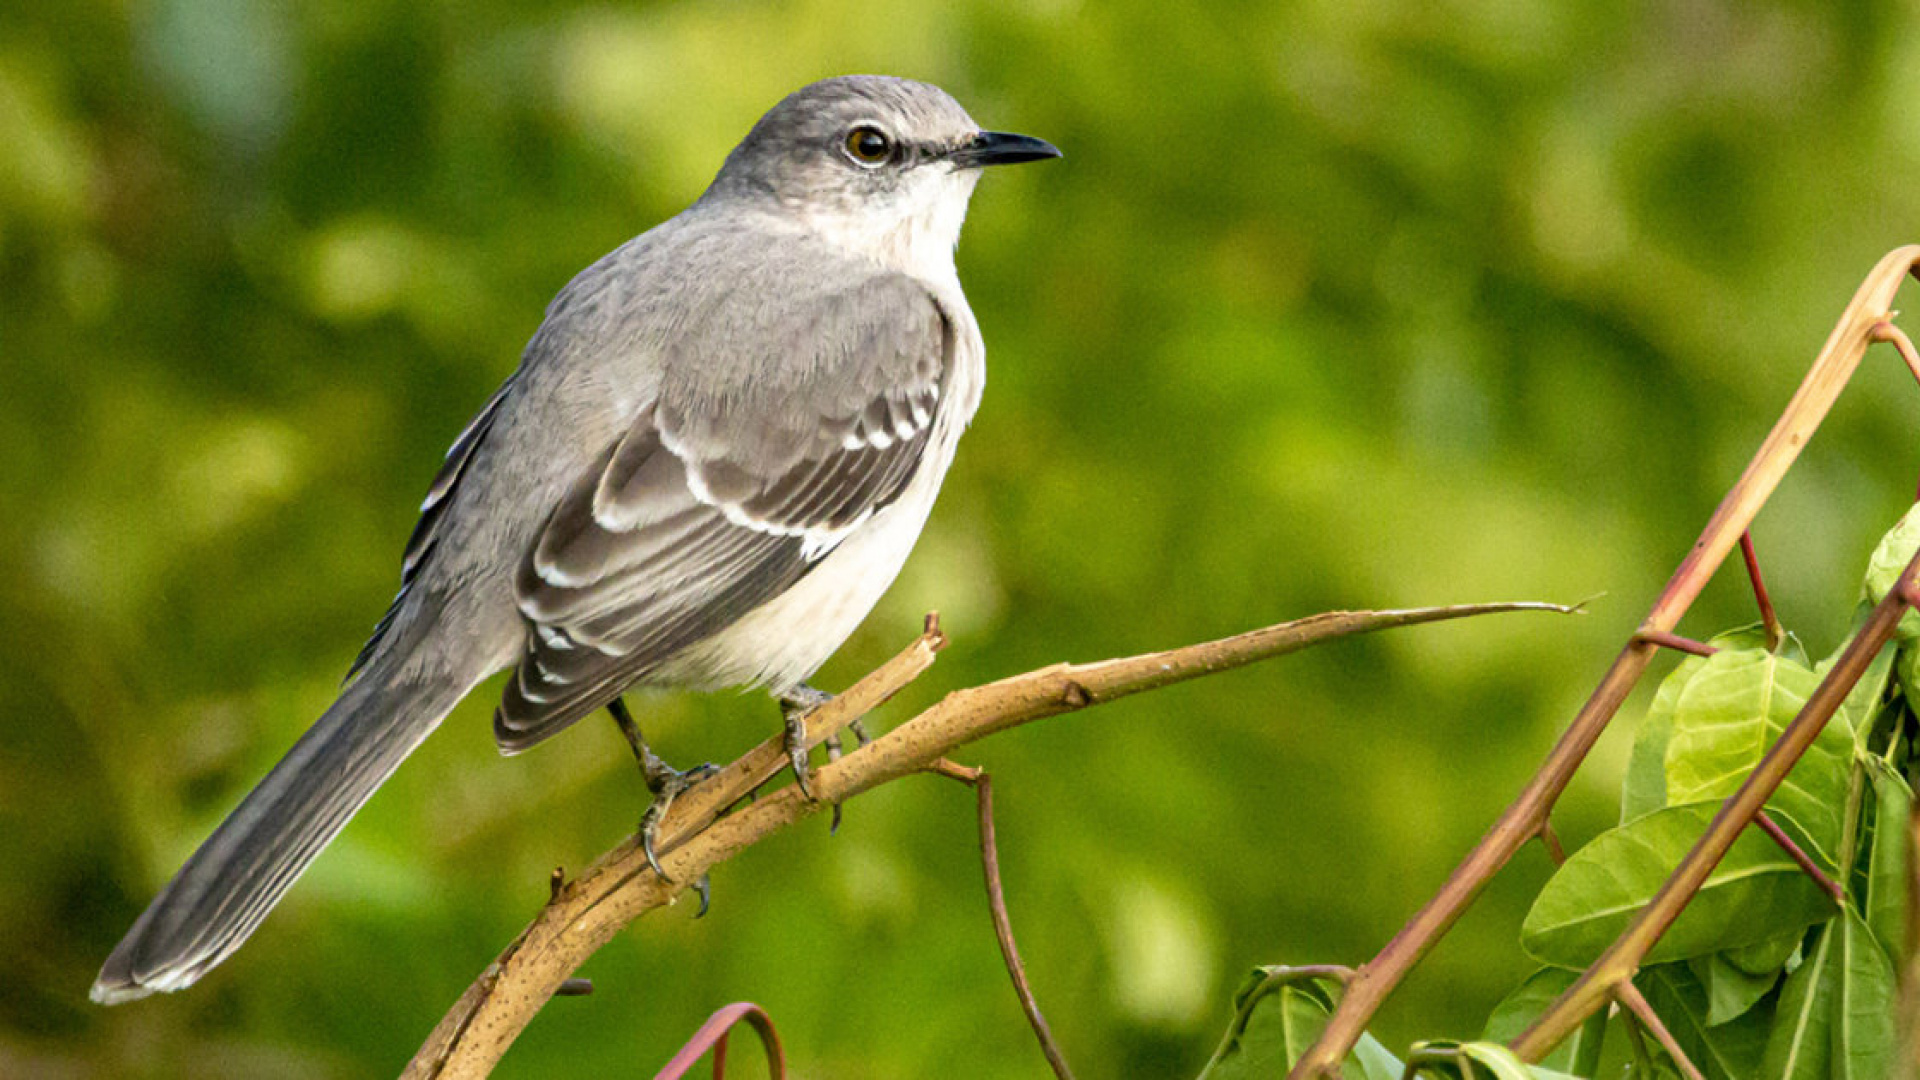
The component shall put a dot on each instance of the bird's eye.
(868, 146)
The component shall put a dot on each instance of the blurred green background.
(1330, 304)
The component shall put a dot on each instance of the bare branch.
(619, 888)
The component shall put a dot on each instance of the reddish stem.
(1003, 926)
(1767, 617)
(1668, 640)
(1800, 858)
(1629, 995)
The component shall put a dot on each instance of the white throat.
(915, 235)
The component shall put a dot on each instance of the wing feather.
(722, 493)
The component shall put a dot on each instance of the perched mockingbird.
(716, 453)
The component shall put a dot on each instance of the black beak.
(1001, 148)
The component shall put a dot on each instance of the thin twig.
(1629, 995)
(692, 839)
(1518, 824)
(1800, 858)
(1768, 620)
(1668, 640)
(1886, 331)
(1550, 840)
(982, 785)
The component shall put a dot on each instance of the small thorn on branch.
(574, 988)
(1768, 619)
(1800, 858)
(953, 770)
(1667, 640)
(1076, 696)
(556, 882)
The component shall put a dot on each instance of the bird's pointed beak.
(1002, 148)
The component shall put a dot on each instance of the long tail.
(223, 892)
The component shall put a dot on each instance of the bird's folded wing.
(432, 511)
(724, 491)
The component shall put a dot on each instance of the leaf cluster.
(1765, 973)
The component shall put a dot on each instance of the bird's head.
(880, 166)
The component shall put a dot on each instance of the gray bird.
(716, 453)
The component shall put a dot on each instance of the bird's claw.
(834, 753)
(795, 706)
(667, 783)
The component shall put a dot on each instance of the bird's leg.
(795, 703)
(664, 781)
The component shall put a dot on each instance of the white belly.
(786, 639)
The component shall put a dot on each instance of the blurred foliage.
(1329, 305)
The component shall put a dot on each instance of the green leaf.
(1895, 550)
(1731, 991)
(1862, 703)
(1801, 1043)
(1835, 1020)
(1727, 1051)
(1886, 899)
(1504, 1064)
(1906, 672)
(1645, 788)
(1767, 957)
(1375, 1060)
(1474, 1059)
(1579, 1053)
(1756, 893)
(1863, 999)
(1277, 1016)
(1730, 713)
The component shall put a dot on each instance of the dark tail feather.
(223, 892)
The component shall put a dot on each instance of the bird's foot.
(667, 783)
(795, 704)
